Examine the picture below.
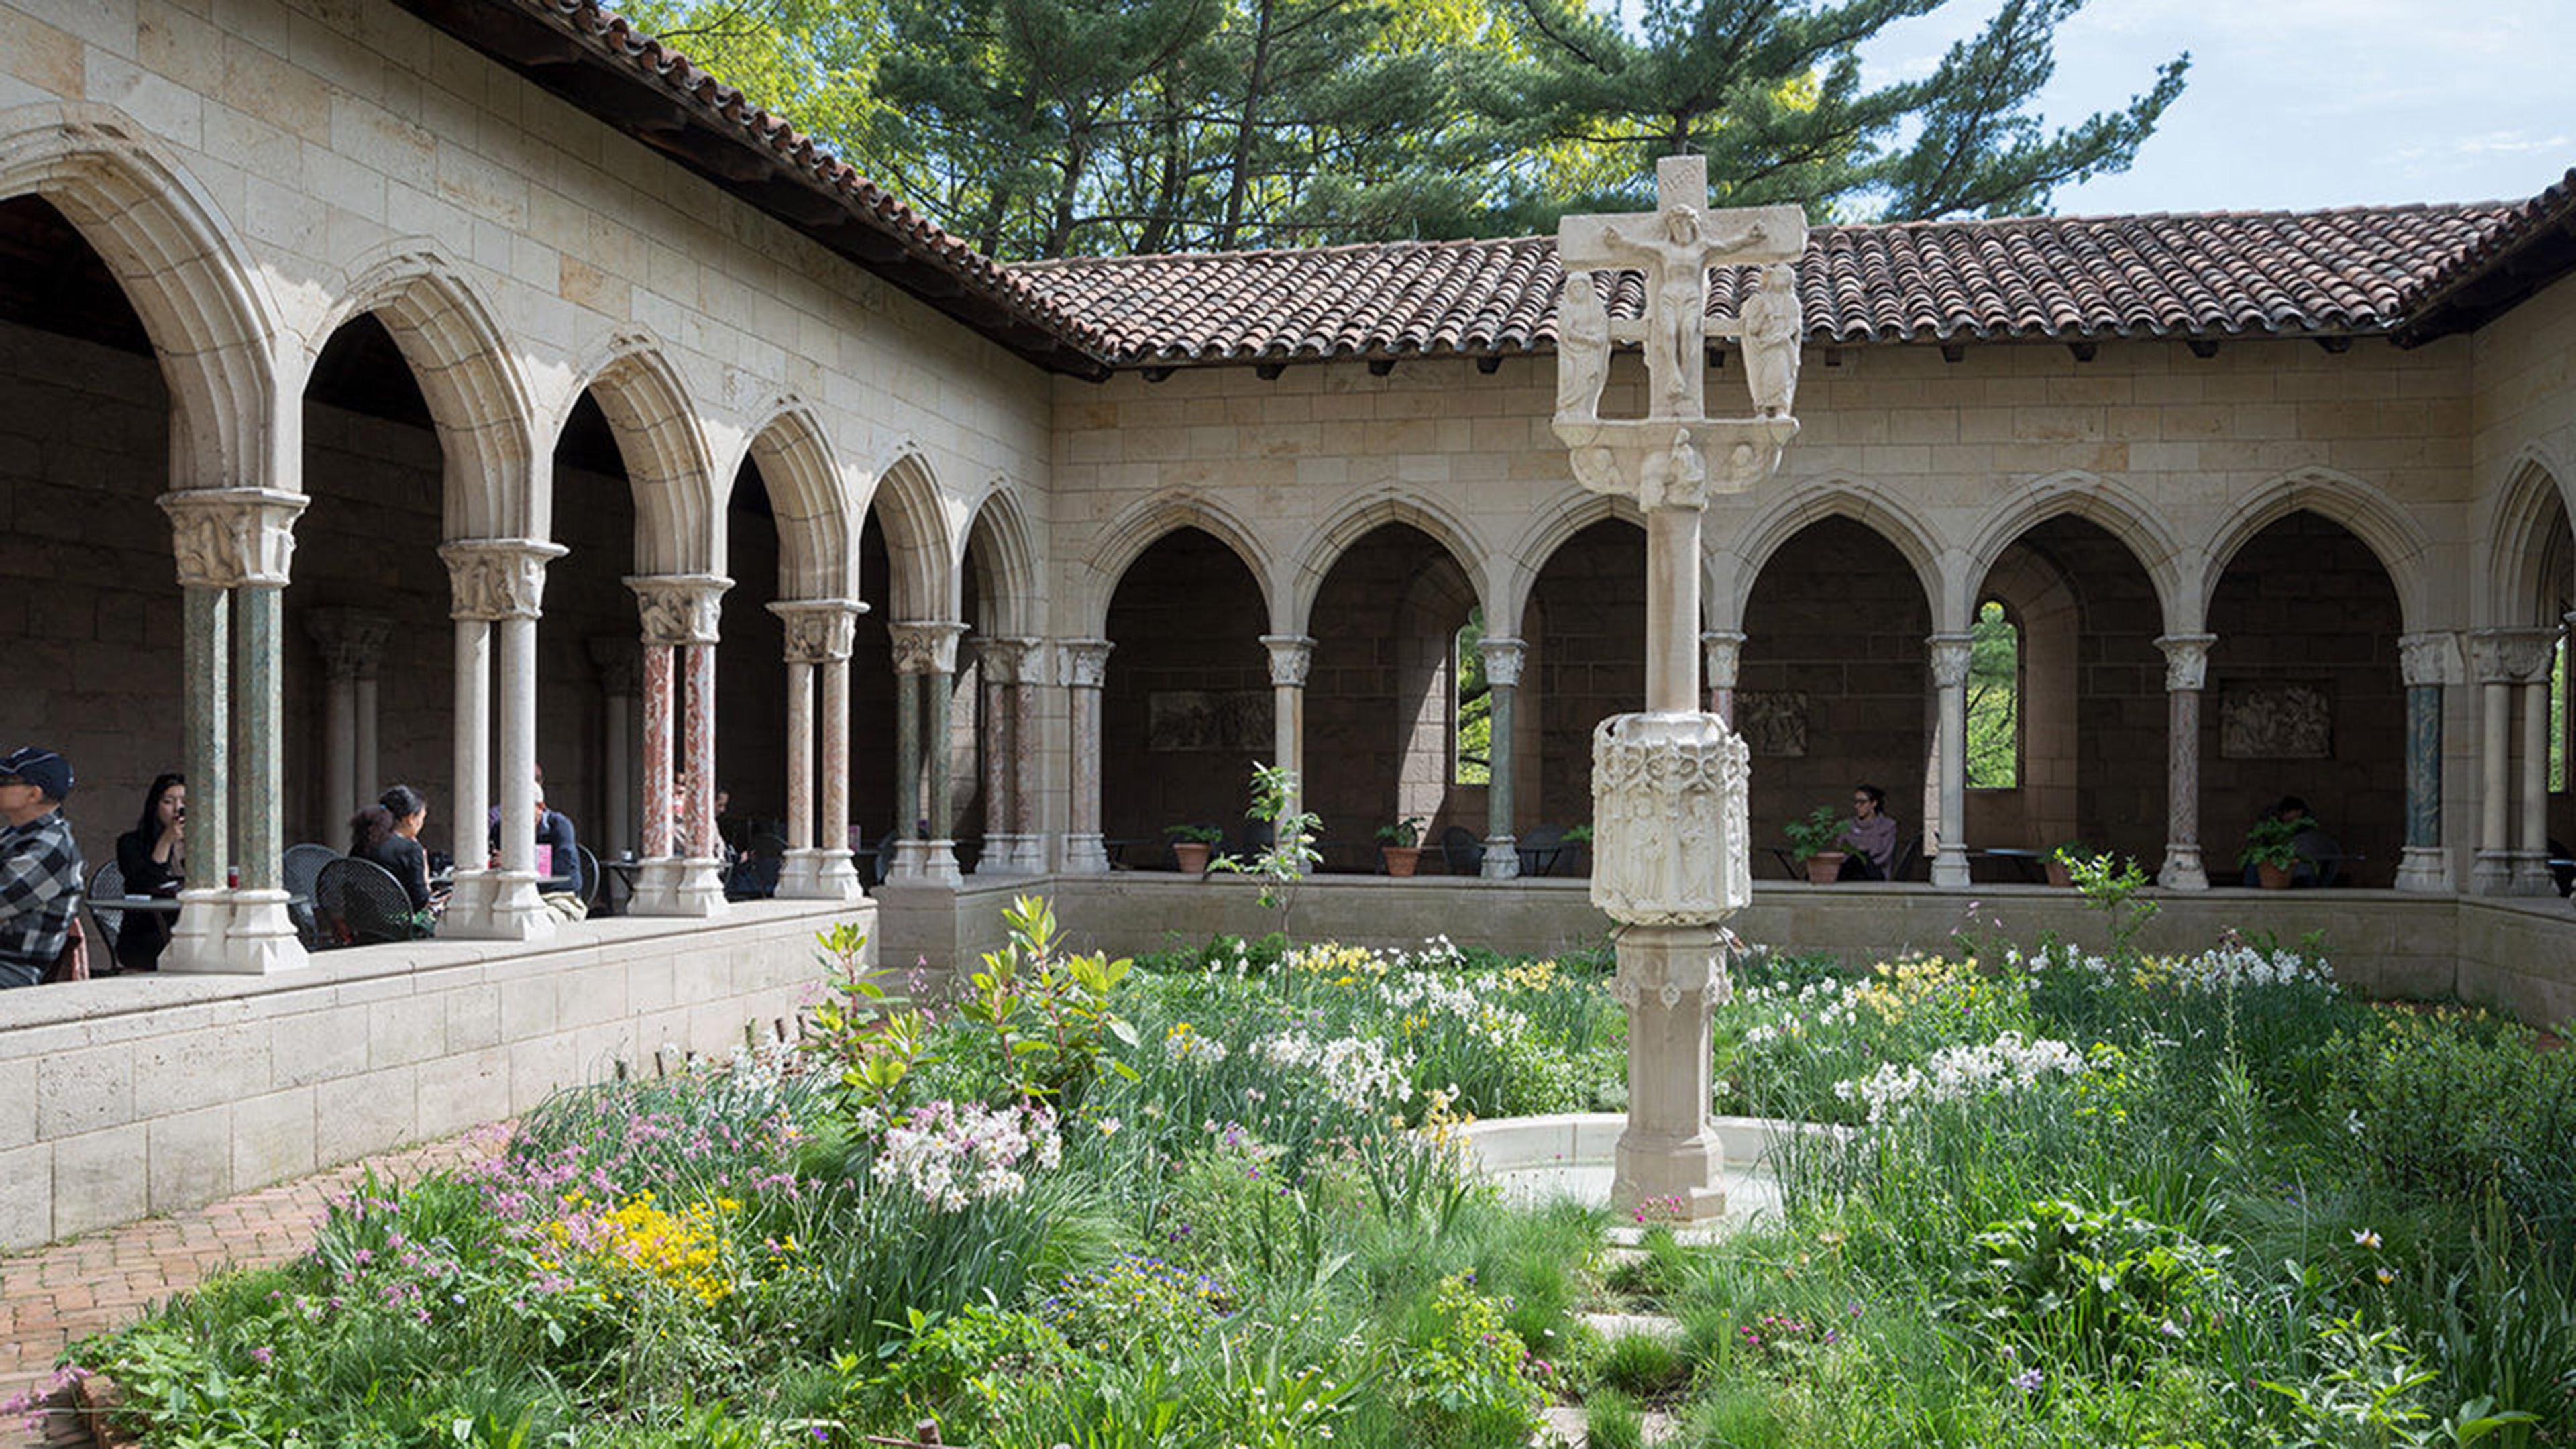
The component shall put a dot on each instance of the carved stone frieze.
(2512, 656)
(223, 538)
(2432, 658)
(925, 646)
(2186, 660)
(679, 609)
(1085, 662)
(1669, 819)
(1721, 653)
(497, 578)
(819, 631)
(1012, 661)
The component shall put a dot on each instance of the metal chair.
(1909, 853)
(1464, 853)
(107, 883)
(1541, 849)
(358, 902)
(302, 866)
(593, 884)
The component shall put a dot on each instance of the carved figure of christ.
(1675, 248)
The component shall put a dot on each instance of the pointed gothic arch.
(2378, 521)
(1356, 518)
(1143, 524)
(1734, 569)
(907, 508)
(816, 559)
(664, 447)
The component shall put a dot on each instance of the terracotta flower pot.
(2272, 877)
(1400, 859)
(1191, 856)
(1824, 867)
(2058, 875)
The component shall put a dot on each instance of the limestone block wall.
(130, 1096)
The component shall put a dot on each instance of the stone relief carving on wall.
(2275, 722)
(1208, 721)
(1773, 722)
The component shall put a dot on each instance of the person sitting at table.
(153, 857)
(1871, 835)
(388, 833)
(40, 867)
(562, 866)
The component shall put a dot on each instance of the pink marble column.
(2186, 673)
(698, 746)
(656, 774)
(1722, 656)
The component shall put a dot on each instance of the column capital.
(352, 640)
(1503, 660)
(1291, 655)
(227, 537)
(1721, 653)
(2430, 658)
(1951, 654)
(1085, 662)
(925, 646)
(619, 662)
(679, 609)
(1012, 660)
(2512, 656)
(497, 578)
(2186, 660)
(819, 631)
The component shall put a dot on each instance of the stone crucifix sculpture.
(1668, 785)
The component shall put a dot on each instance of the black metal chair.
(1541, 849)
(107, 883)
(593, 884)
(1909, 853)
(302, 867)
(358, 902)
(1464, 853)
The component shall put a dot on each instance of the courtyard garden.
(1220, 1195)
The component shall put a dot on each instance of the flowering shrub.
(1358, 1072)
(681, 1251)
(1135, 1300)
(950, 1154)
(1957, 1074)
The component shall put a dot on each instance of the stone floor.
(51, 1296)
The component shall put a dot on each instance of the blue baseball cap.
(43, 769)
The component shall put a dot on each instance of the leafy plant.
(2106, 1282)
(1045, 1011)
(2115, 886)
(2271, 842)
(1290, 857)
(1404, 834)
(1195, 834)
(1820, 833)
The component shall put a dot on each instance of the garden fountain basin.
(1572, 1155)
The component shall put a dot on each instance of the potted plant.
(1400, 845)
(1191, 845)
(1817, 843)
(2061, 862)
(2269, 850)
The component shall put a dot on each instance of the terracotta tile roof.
(2232, 274)
(2530, 245)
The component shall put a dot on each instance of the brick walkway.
(54, 1295)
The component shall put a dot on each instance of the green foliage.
(1195, 834)
(2270, 842)
(1290, 855)
(1406, 833)
(2102, 1285)
(1044, 1011)
(1465, 1371)
(2460, 1106)
(1643, 1364)
(2115, 886)
(1613, 1420)
(1820, 833)
(1994, 700)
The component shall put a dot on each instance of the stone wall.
(136, 1095)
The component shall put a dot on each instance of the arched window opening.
(1472, 741)
(1994, 700)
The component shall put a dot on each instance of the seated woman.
(388, 833)
(153, 857)
(1871, 835)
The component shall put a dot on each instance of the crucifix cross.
(1674, 248)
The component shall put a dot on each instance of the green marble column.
(907, 757)
(2424, 766)
(258, 759)
(940, 688)
(206, 659)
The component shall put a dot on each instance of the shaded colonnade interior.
(1185, 708)
(1585, 627)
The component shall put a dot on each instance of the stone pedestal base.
(1950, 867)
(1669, 1158)
(261, 938)
(2492, 874)
(818, 875)
(925, 862)
(487, 905)
(1084, 854)
(1502, 858)
(2182, 869)
(2424, 868)
(1013, 855)
(197, 937)
(2531, 875)
(673, 887)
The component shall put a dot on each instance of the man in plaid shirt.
(40, 866)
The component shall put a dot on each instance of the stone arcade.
(432, 392)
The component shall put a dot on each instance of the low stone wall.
(134, 1095)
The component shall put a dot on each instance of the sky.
(2304, 103)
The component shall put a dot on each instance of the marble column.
(1503, 660)
(819, 634)
(1291, 657)
(621, 680)
(1012, 842)
(2186, 675)
(925, 655)
(1027, 748)
(2531, 858)
(1086, 669)
(2502, 660)
(234, 548)
(1722, 656)
(1951, 655)
(352, 644)
(2428, 663)
(681, 874)
(838, 878)
(496, 589)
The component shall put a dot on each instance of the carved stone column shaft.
(925, 658)
(681, 617)
(2186, 674)
(496, 591)
(1085, 665)
(1503, 661)
(1292, 656)
(1952, 656)
(2428, 664)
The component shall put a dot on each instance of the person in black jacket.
(388, 833)
(153, 857)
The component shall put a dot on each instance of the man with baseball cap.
(40, 866)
